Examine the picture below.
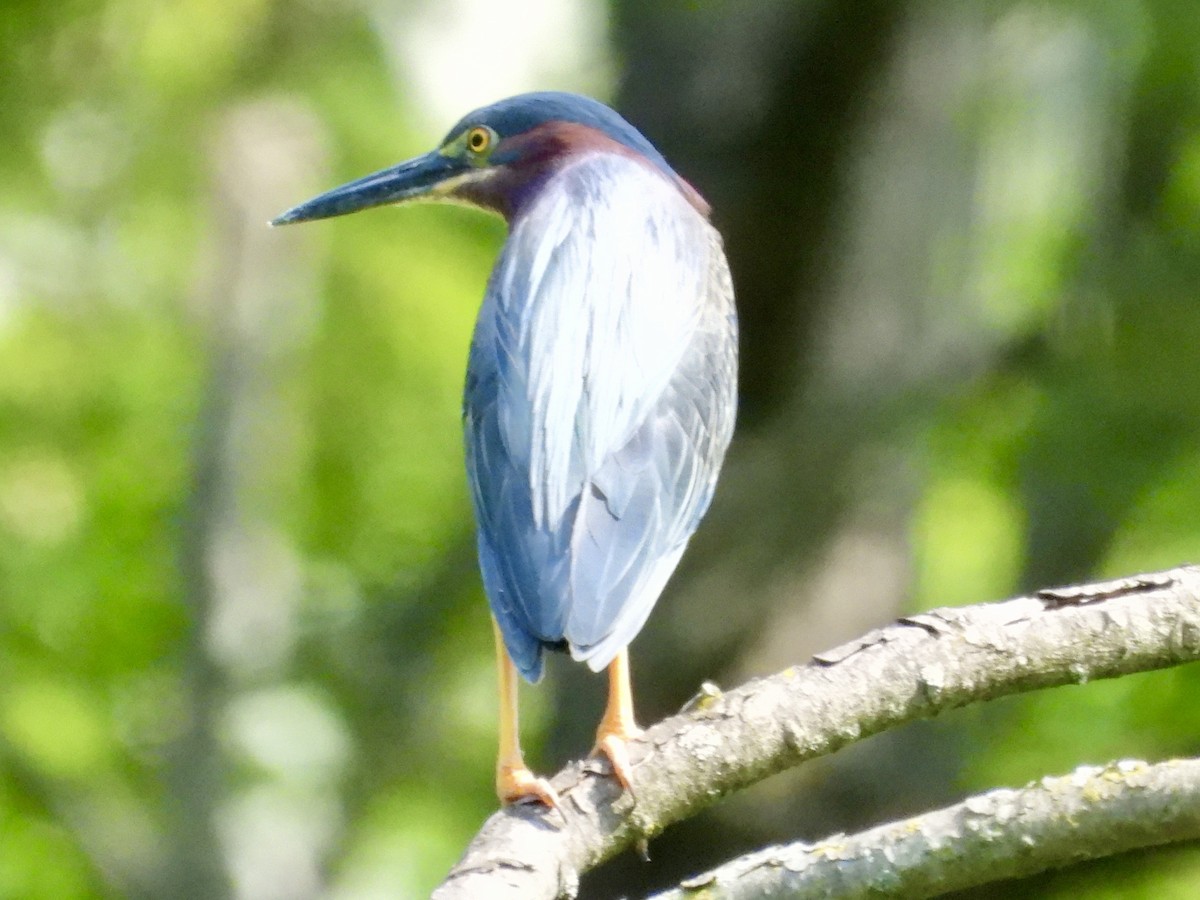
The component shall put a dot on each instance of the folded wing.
(598, 405)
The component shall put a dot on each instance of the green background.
(243, 647)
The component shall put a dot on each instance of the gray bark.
(1092, 812)
(915, 668)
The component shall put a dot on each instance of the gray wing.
(647, 499)
(598, 405)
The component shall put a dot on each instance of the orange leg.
(617, 727)
(514, 781)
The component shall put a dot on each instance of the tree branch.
(915, 668)
(1092, 812)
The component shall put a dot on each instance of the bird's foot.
(516, 784)
(615, 745)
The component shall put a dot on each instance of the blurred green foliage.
(129, 379)
(243, 650)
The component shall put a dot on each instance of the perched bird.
(601, 384)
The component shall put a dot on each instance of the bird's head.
(498, 157)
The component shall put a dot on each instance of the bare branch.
(916, 668)
(1090, 813)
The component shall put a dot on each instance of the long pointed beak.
(409, 179)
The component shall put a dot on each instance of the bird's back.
(599, 402)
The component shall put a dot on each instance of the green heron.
(601, 385)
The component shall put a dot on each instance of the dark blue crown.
(519, 114)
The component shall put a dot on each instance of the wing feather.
(598, 405)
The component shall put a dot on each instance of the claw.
(615, 746)
(519, 785)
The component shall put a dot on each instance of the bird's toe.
(615, 746)
(517, 784)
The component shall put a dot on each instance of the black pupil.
(478, 139)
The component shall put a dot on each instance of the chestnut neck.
(526, 161)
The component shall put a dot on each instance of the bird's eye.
(479, 139)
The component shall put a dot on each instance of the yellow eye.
(479, 139)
